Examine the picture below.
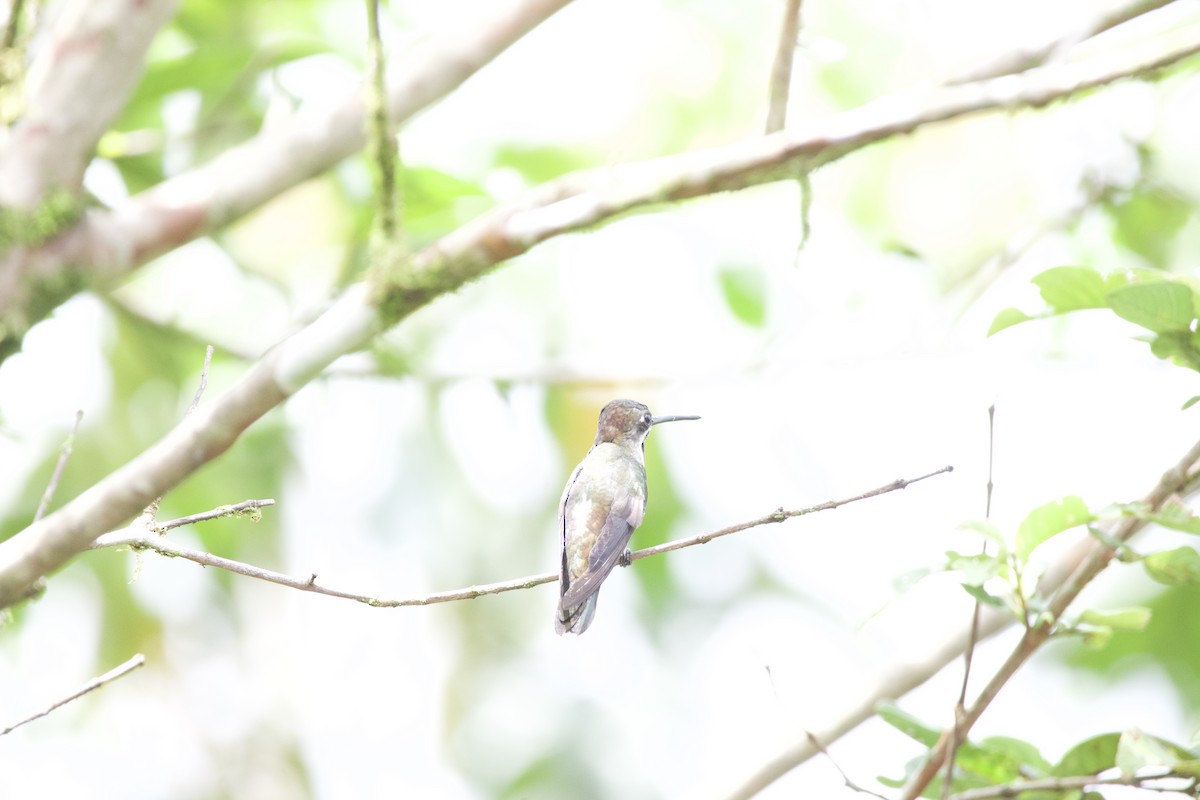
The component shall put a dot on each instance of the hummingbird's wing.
(624, 515)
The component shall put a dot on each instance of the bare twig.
(1063, 580)
(138, 538)
(1176, 480)
(780, 515)
(63, 456)
(781, 70)
(151, 511)
(1020, 60)
(1015, 788)
(960, 707)
(379, 136)
(851, 785)
(95, 683)
(208, 354)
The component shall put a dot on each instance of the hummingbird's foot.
(626, 558)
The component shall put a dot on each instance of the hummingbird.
(603, 503)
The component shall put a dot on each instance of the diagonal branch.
(572, 203)
(137, 537)
(1174, 481)
(95, 683)
(76, 86)
(1062, 582)
(189, 205)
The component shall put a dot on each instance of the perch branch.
(137, 538)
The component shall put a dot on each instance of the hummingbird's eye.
(647, 419)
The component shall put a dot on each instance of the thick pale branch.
(581, 200)
(182, 208)
(76, 86)
(570, 204)
(137, 537)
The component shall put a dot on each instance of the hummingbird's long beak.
(656, 420)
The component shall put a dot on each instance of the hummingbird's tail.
(576, 619)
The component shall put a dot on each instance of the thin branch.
(1174, 481)
(1073, 782)
(572, 203)
(208, 354)
(63, 456)
(781, 70)
(781, 515)
(243, 178)
(381, 143)
(851, 785)
(1021, 60)
(1061, 581)
(95, 683)
(77, 84)
(139, 539)
(960, 707)
(151, 511)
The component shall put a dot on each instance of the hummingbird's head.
(628, 422)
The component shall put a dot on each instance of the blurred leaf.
(1148, 222)
(1126, 619)
(1179, 347)
(1178, 567)
(1024, 755)
(745, 293)
(1173, 515)
(1190, 402)
(987, 529)
(975, 569)
(1161, 306)
(984, 596)
(1089, 757)
(1071, 288)
(1049, 520)
(541, 163)
(1007, 318)
(906, 723)
(1137, 750)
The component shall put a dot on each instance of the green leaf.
(1137, 750)
(1007, 318)
(906, 723)
(975, 570)
(1126, 619)
(1191, 402)
(745, 293)
(1089, 756)
(1020, 752)
(1178, 567)
(1162, 306)
(1148, 221)
(1173, 515)
(1049, 520)
(987, 529)
(984, 596)
(1071, 288)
